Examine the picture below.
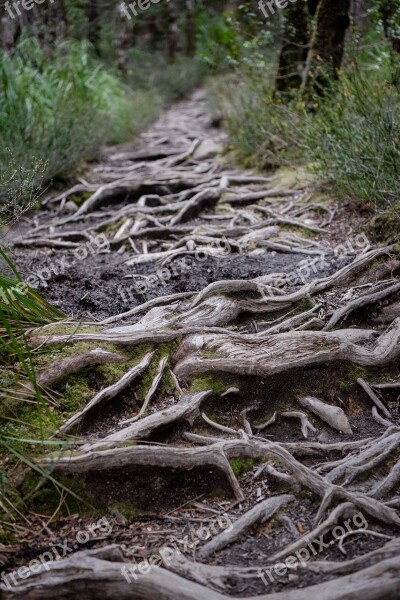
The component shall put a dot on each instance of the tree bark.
(172, 31)
(390, 12)
(327, 46)
(357, 18)
(294, 47)
(190, 27)
(93, 17)
(6, 29)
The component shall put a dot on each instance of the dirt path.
(246, 433)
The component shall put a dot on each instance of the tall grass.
(354, 140)
(56, 111)
(20, 309)
(351, 139)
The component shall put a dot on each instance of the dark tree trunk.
(294, 47)
(93, 17)
(312, 6)
(327, 47)
(190, 27)
(390, 12)
(6, 29)
(357, 13)
(125, 32)
(172, 30)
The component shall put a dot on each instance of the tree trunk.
(125, 34)
(93, 17)
(327, 46)
(312, 6)
(6, 30)
(172, 31)
(390, 11)
(190, 27)
(294, 47)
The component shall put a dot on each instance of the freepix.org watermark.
(14, 9)
(134, 8)
(167, 554)
(312, 548)
(269, 7)
(180, 266)
(307, 268)
(57, 552)
(94, 246)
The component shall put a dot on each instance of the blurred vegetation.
(345, 128)
(76, 75)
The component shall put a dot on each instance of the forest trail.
(255, 339)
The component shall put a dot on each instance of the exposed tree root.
(67, 366)
(306, 426)
(259, 514)
(259, 349)
(88, 576)
(333, 415)
(216, 453)
(364, 300)
(282, 352)
(109, 392)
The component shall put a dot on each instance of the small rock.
(70, 207)
(207, 149)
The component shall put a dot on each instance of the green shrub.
(219, 40)
(54, 112)
(351, 139)
(168, 82)
(354, 140)
(263, 131)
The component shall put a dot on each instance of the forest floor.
(227, 381)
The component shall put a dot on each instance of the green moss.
(167, 349)
(50, 354)
(166, 384)
(77, 393)
(44, 497)
(113, 372)
(307, 495)
(300, 231)
(80, 199)
(68, 329)
(350, 374)
(386, 227)
(241, 465)
(207, 382)
(128, 509)
(292, 177)
(22, 420)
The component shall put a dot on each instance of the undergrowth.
(57, 111)
(168, 82)
(350, 137)
(20, 309)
